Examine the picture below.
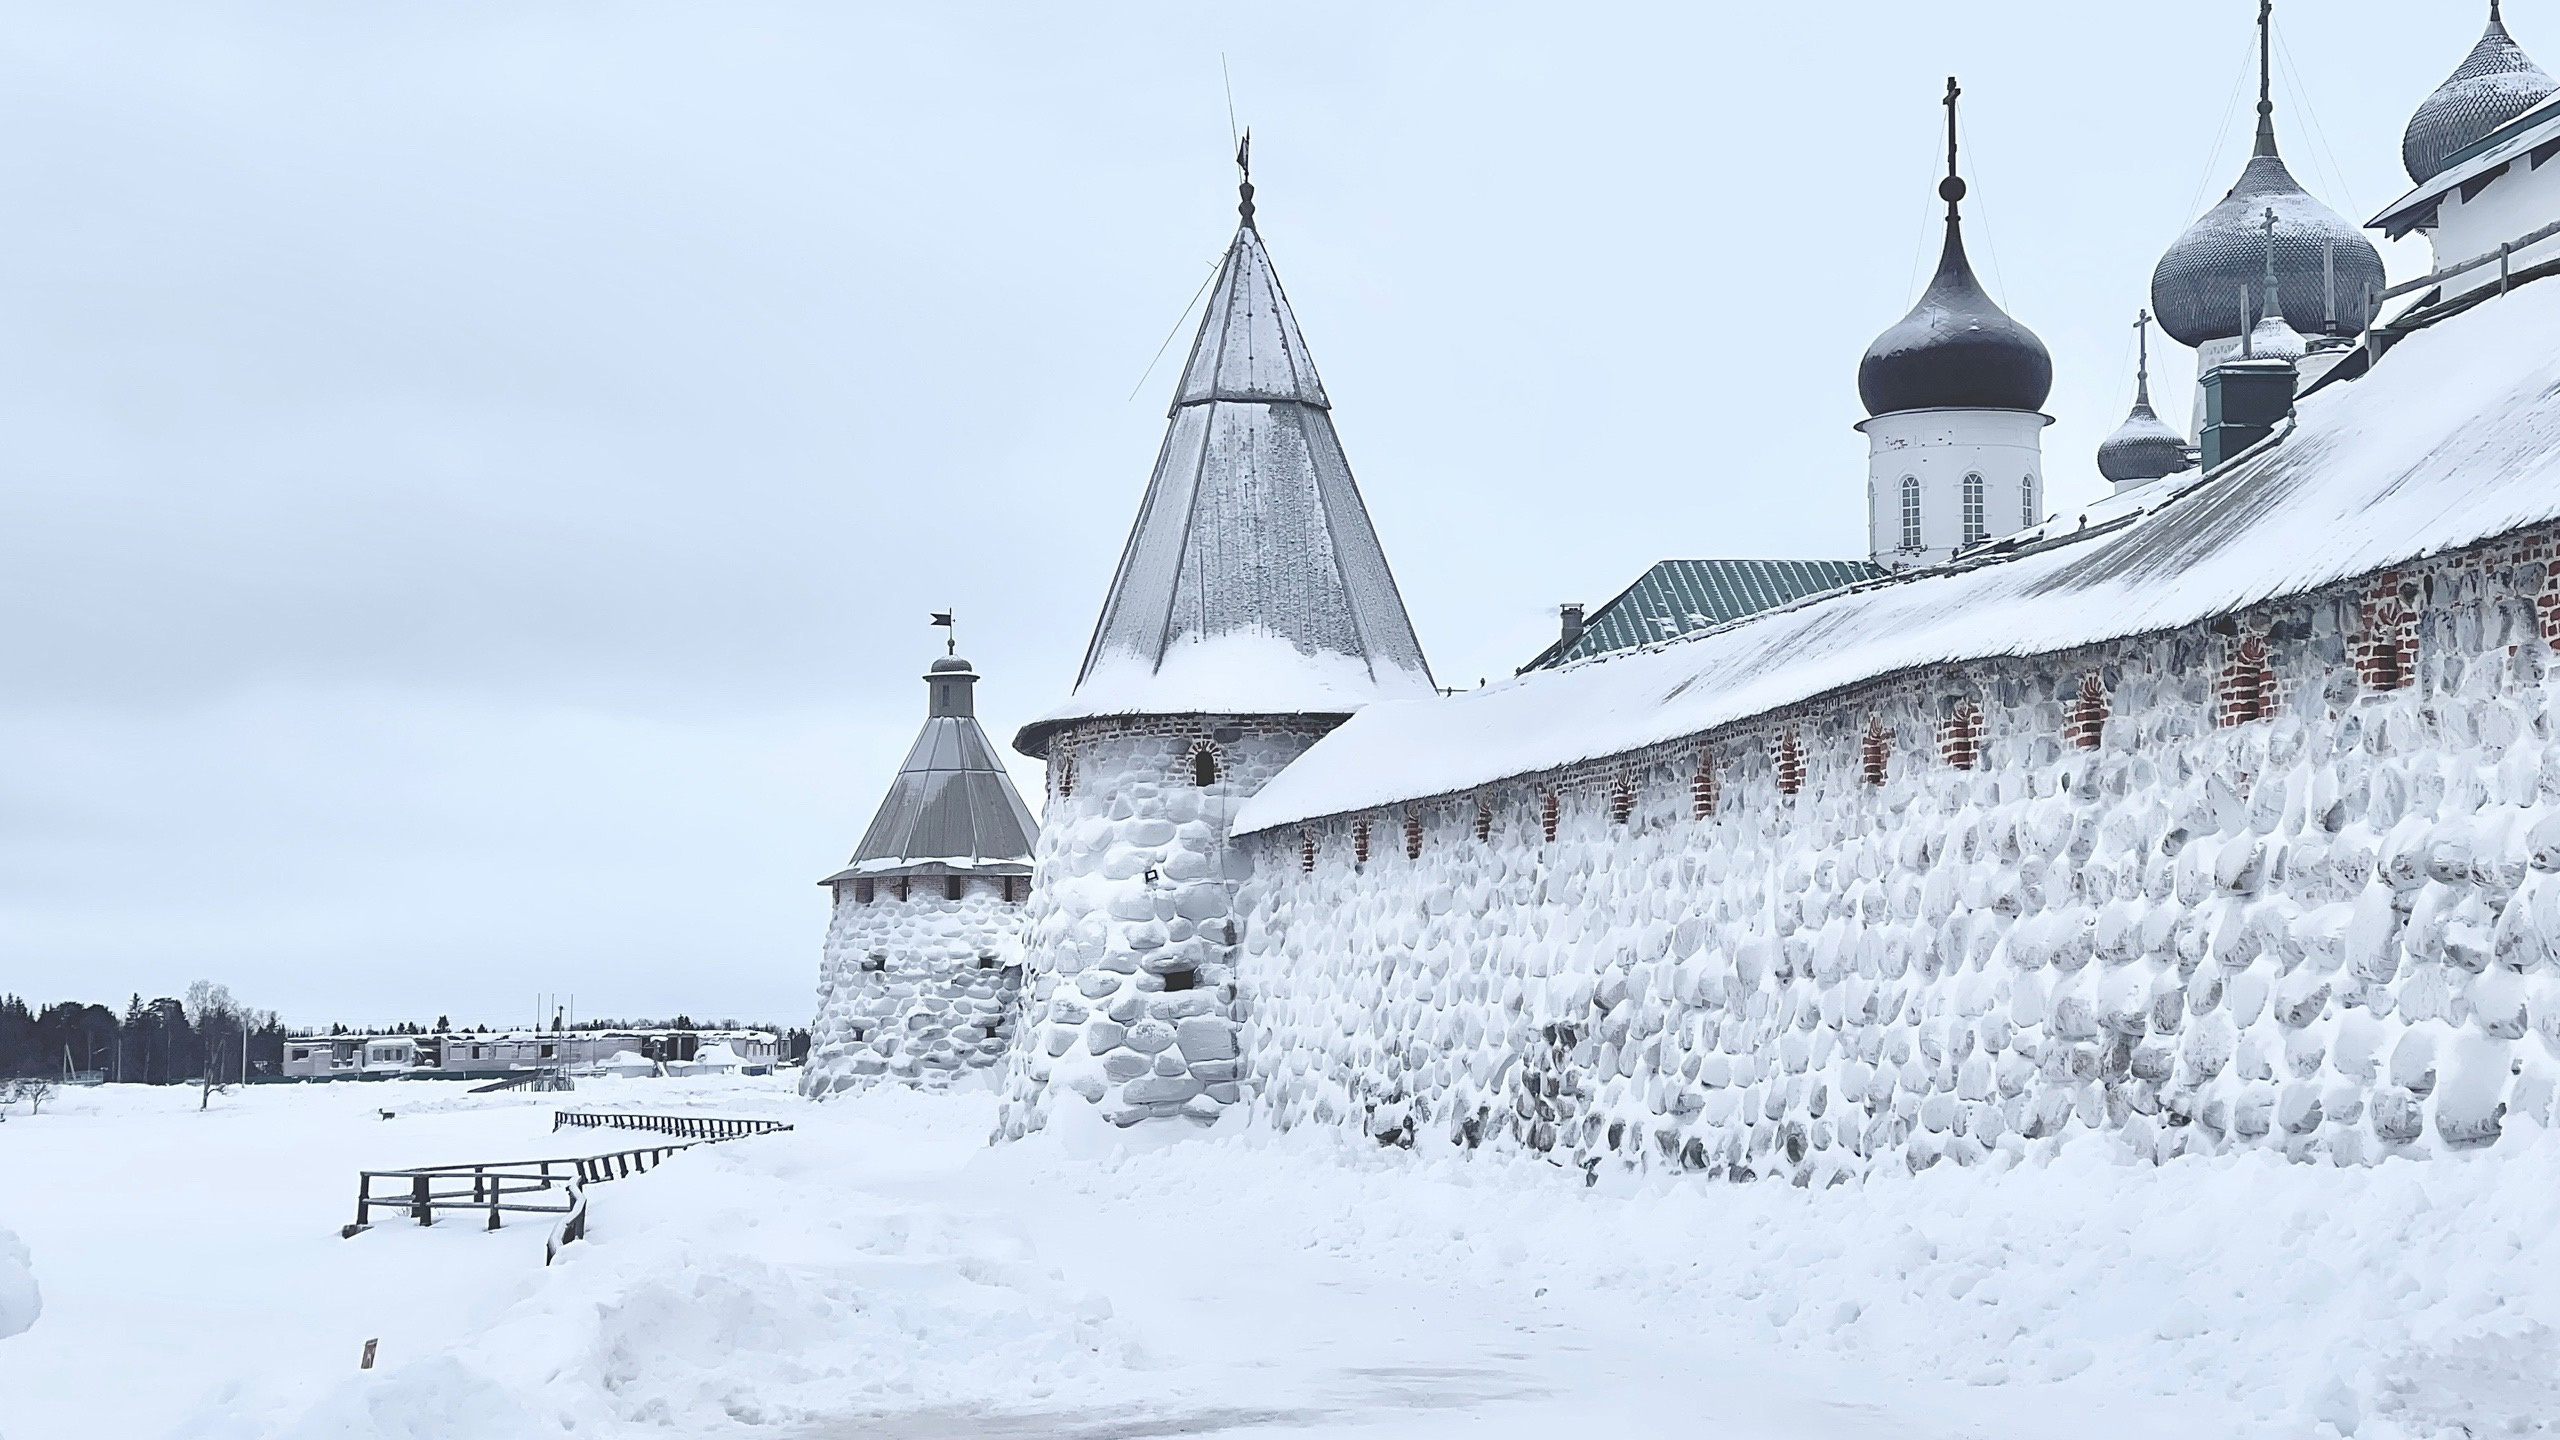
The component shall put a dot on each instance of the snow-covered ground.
(881, 1271)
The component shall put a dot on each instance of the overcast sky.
(473, 477)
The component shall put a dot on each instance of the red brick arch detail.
(1875, 752)
(2086, 725)
(1788, 756)
(1960, 737)
(1704, 788)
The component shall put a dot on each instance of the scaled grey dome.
(2143, 447)
(2210, 278)
(2496, 83)
(1956, 350)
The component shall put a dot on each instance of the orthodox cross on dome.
(2142, 354)
(2269, 299)
(1244, 178)
(1951, 189)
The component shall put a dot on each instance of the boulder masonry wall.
(919, 989)
(2279, 880)
(1130, 997)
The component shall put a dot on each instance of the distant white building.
(489, 1055)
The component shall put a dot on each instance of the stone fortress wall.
(1130, 996)
(2280, 880)
(919, 989)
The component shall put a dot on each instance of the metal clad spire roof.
(1253, 581)
(2494, 84)
(952, 804)
(2207, 287)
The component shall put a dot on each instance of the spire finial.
(2266, 77)
(2142, 362)
(942, 619)
(1244, 178)
(1951, 189)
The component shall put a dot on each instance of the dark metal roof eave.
(1033, 739)
(2415, 209)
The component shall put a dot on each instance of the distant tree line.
(205, 1038)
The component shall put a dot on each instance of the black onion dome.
(2211, 277)
(2143, 447)
(2496, 83)
(1956, 350)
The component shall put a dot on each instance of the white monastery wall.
(1130, 999)
(2282, 881)
(2513, 205)
(917, 990)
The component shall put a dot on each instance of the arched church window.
(1910, 512)
(1976, 525)
(2027, 516)
(1204, 767)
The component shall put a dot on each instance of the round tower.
(923, 963)
(1954, 395)
(1252, 611)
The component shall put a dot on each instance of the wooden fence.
(555, 1187)
(695, 1127)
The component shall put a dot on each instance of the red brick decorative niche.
(1960, 737)
(2086, 725)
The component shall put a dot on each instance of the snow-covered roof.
(2453, 439)
(1253, 582)
(2484, 159)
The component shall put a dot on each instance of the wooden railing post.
(422, 1200)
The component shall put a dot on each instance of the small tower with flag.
(922, 968)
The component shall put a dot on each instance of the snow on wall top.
(2453, 439)
(1251, 529)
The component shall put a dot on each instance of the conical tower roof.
(2207, 287)
(1253, 582)
(2495, 83)
(952, 805)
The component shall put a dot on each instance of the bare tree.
(221, 1029)
(37, 1089)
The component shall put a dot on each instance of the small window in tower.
(2027, 502)
(955, 887)
(1013, 888)
(1204, 767)
(864, 890)
(1178, 979)
(902, 887)
(987, 961)
(1976, 525)
(1066, 771)
(1910, 512)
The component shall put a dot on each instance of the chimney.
(2244, 401)
(1571, 616)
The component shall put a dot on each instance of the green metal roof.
(1678, 596)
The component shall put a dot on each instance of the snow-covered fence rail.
(698, 1127)
(554, 1186)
